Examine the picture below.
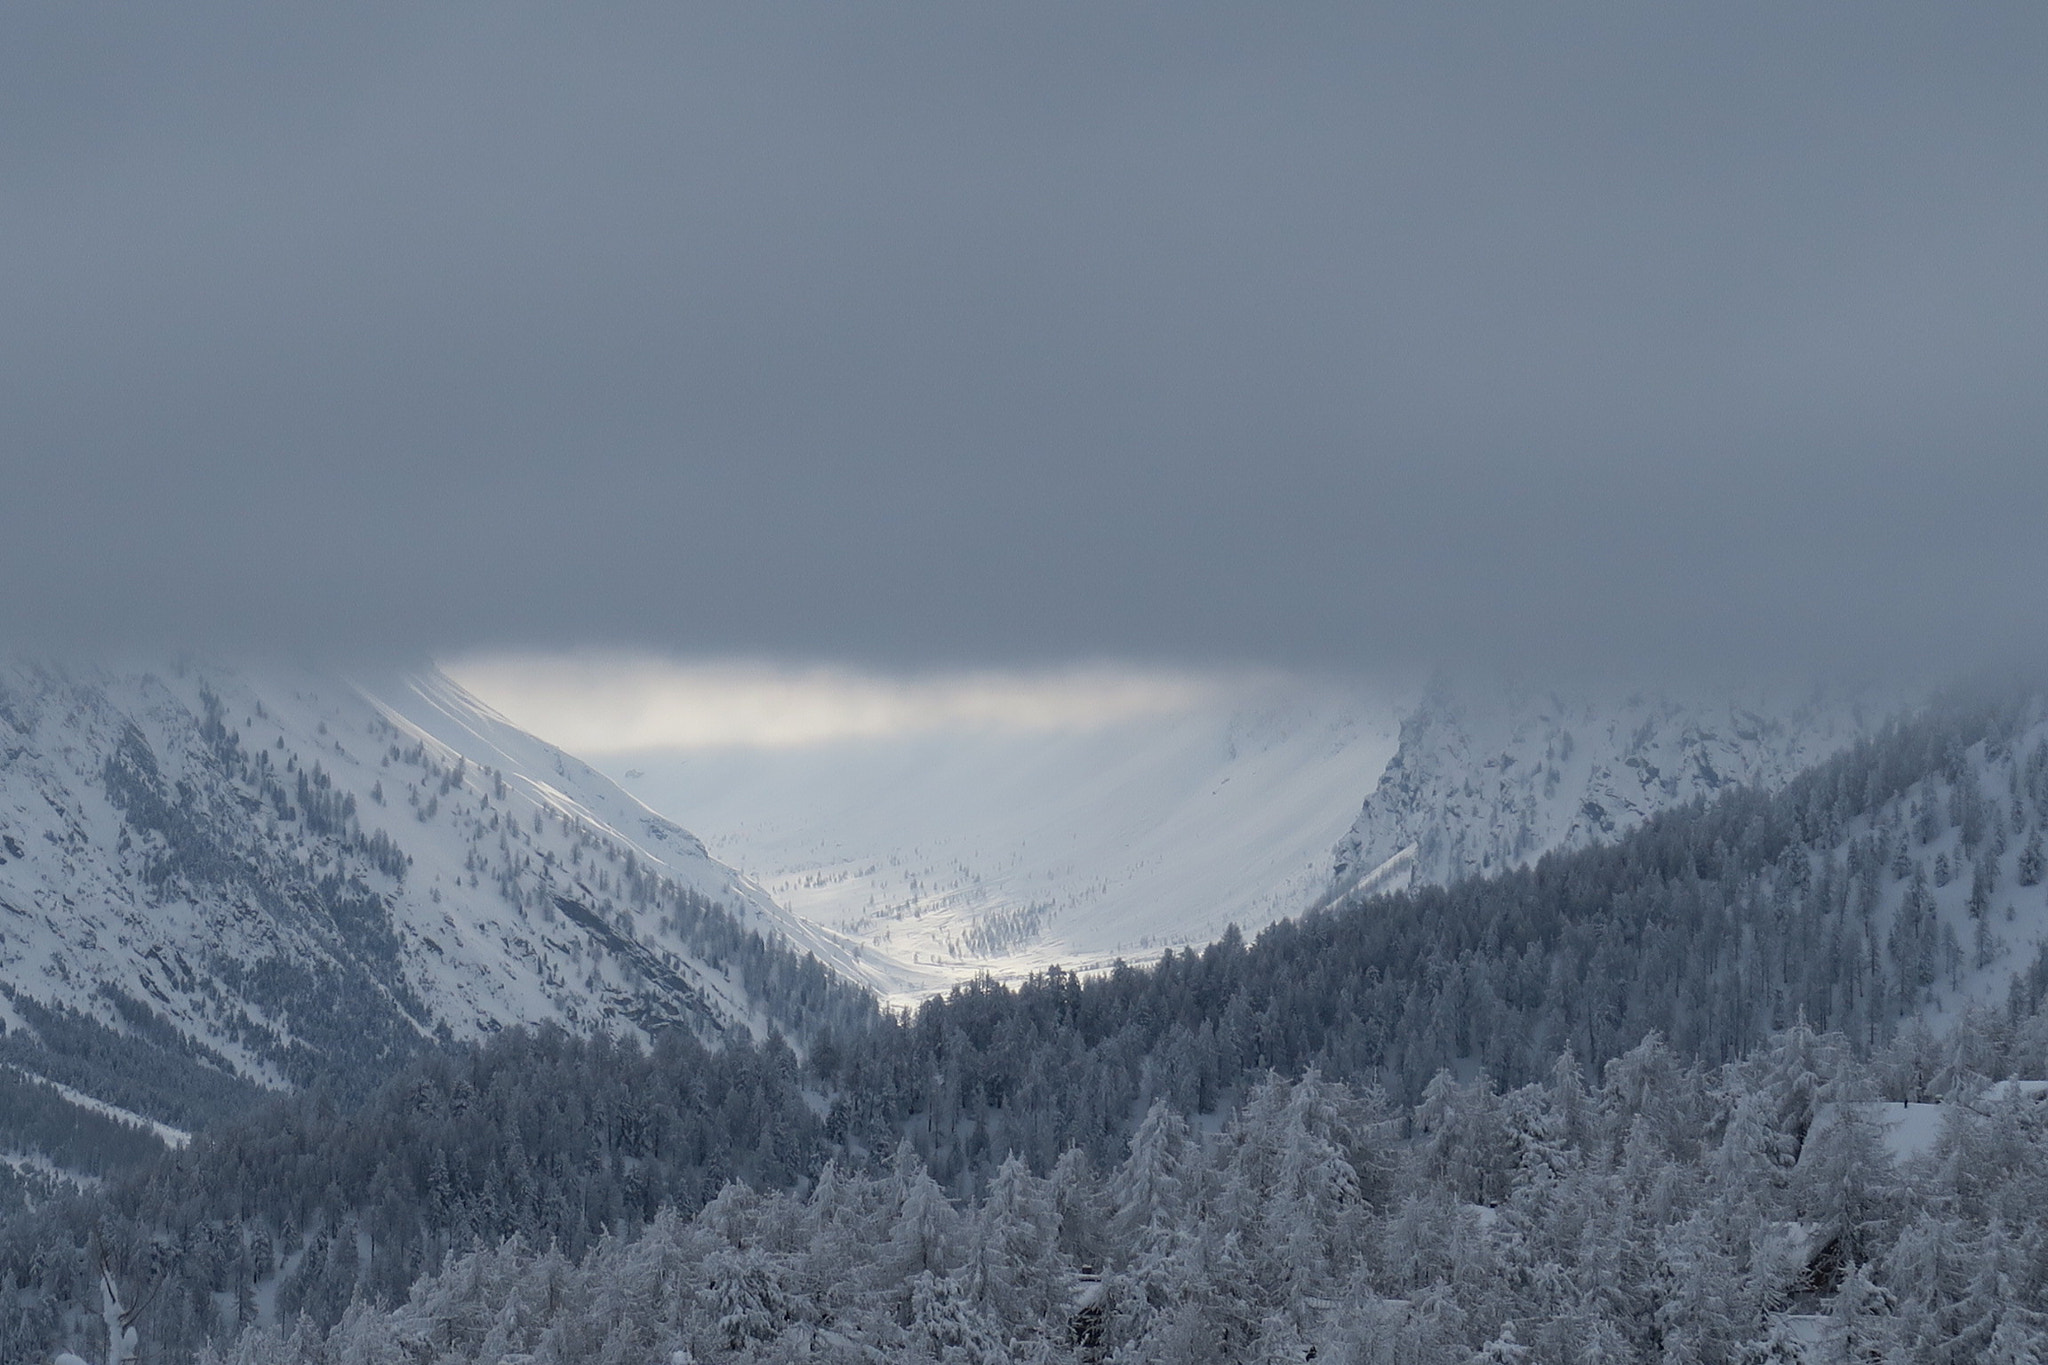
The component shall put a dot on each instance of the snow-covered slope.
(302, 874)
(1486, 779)
(938, 856)
(1951, 877)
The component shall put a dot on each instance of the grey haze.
(1317, 335)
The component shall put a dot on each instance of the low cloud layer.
(601, 704)
(994, 335)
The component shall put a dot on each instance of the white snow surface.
(1907, 1131)
(1910, 1131)
(1491, 777)
(939, 856)
(479, 944)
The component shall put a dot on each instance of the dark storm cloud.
(992, 332)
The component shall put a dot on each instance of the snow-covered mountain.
(1491, 778)
(272, 876)
(934, 857)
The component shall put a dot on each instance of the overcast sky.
(983, 334)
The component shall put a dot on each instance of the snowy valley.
(932, 858)
(937, 857)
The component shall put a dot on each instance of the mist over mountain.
(913, 854)
(933, 855)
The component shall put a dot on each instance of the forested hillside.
(1778, 952)
(1768, 1211)
(1799, 1204)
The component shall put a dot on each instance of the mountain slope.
(1485, 780)
(430, 704)
(215, 879)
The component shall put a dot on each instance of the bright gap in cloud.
(609, 703)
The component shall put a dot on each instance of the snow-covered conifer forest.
(1764, 1077)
